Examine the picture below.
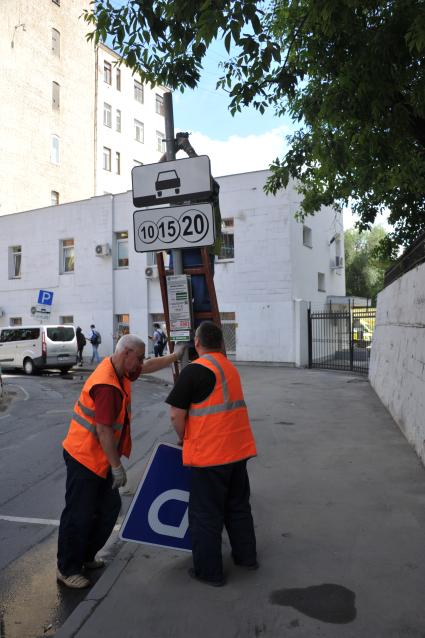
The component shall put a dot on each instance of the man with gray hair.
(99, 434)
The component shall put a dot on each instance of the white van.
(35, 348)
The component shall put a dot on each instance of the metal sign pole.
(171, 155)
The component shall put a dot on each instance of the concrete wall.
(397, 366)
(27, 119)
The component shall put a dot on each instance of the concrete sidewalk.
(338, 501)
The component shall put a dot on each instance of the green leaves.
(350, 72)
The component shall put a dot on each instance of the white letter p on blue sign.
(163, 528)
(158, 514)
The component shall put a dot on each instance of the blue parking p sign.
(158, 514)
(45, 297)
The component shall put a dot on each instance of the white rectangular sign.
(180, 180)
(173, 227)
(179, 302)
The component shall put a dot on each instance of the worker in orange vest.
(99, 434)
(210, 417)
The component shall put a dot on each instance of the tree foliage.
(364, 264)
(350, 72)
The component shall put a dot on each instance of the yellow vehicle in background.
(362, 327)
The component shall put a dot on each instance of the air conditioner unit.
(338, 262)
(102, 250)
(151, 272)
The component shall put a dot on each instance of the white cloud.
(241, 154)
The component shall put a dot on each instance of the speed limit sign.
(175, 227)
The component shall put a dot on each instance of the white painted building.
(72, 124)
(271, 267)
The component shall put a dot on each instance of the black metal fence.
(341, 340)
(412, 257)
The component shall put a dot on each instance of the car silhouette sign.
(167, 180)
(172, 182)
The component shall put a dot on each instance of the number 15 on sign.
(176, 227)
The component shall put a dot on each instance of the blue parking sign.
(45, 297)
(158, 514)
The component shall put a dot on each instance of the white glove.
(119, 476)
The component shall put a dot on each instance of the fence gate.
(341, 340)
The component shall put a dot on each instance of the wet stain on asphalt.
(328, 602)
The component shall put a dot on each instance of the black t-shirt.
(195, 384)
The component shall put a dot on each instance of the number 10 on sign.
(175, 227)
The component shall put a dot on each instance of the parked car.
(34, 348)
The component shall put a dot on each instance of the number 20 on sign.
(175, 227)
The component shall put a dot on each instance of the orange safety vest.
(82, 442)
(217, 429)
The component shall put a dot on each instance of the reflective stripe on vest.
(117, 427)
(227, 405)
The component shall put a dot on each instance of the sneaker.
(75, 581)
(213, 583)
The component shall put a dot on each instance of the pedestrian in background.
(95, 340)
(81, 342)
(210, 417)
(99, 434)
(159, 340)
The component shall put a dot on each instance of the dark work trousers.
(91, 511)
(219, 496)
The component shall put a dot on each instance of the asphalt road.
(33, 421)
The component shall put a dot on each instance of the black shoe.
(250, 566)
(213, 583)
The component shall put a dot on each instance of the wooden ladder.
(205, 270)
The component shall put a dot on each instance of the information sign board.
(179, 306)
(158, 514)
(180, 180)
(173, 227)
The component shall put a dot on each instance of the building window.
(56, 42)
(15, 260)
(118, 121)
(15, 321)
(122, 249)
(55, 96)
(66, 319)
(321, 282)
(307, 237)
(159, 104)
(55, 150)
(138, 91)
(106, 159)
(139, 131)
(118, 79)
(107, 72)
(67, 256)
(160, 142)
(122, 326)
(107, 114)
(54, 198)
(227, 249)
(118, 163)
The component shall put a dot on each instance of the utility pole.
(171, 155)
